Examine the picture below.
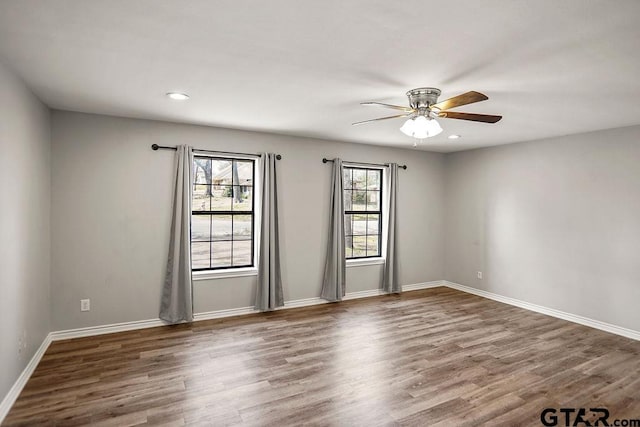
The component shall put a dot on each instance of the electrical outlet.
(22, 343)
(479, 274)
(85, 305)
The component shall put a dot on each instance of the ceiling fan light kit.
(421, 127)
(425, 108)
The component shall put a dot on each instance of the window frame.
(367, 259)
(231, 270)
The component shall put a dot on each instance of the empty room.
(326, 213)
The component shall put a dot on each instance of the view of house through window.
(222, 226)
(363, 212)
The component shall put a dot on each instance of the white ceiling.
(302, 67)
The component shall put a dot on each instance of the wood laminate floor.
(436, 357)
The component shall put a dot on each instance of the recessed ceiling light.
(454, 136)
(177, 96)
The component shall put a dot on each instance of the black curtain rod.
(363, 163)
(156, 147)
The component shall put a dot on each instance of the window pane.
(245, 173)
(242, 252)
(221, 172)
(359, 200)
(242, 198)
(200, 228)
(224, 239)
(221, 200)
(359, 246)
(347, 181)
(348, 252)
(200, 200)
(348, 226)
(373, 200)
(221, 227)
(202, 169)
(362, 195)
(200, 254)
(373, 179)
(359, 225)
(372, 224)
(359, 179)
(348, 202)
(348, 246)
(372, 245)
(241, 227)
(221, 254)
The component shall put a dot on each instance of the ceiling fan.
(424, 109)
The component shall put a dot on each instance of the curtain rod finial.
(324, 160)
(154, 147)
(404, 167)
(279, 157)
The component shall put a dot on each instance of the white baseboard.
(14, 392)
(607, 327)
(423, 285)
(105, 329)
(217, 314)
(305, 302)
(363, 294)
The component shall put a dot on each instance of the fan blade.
(486, 118)
(464, 99)
(382, 118)
(395, 107)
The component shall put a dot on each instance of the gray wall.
(24, 226)
(111, 205)
(553, 222)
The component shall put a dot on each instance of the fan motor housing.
(423, 97)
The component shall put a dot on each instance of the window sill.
(364, 261)
(224, 274)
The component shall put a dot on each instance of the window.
(222, 213)
(362, 212)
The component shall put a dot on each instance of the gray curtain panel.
(333, 283)
(177, 301)
(390, 277)
(269, 293)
